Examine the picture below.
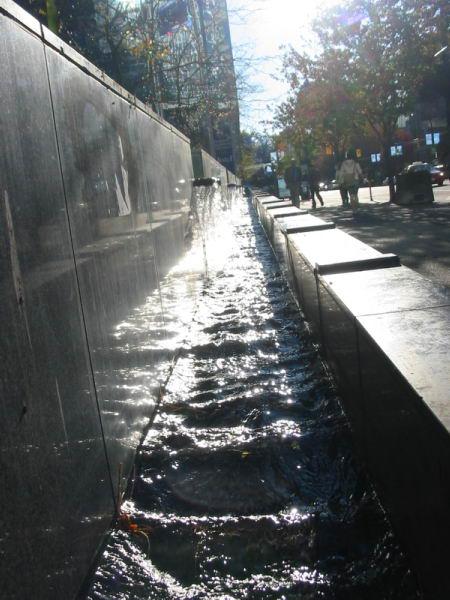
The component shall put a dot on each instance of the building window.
(397, 150)
(432, 138)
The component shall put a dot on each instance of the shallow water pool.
(247, 484)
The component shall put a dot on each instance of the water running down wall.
(95, 205)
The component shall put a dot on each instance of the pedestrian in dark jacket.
(292, 178)
(313, 180)
(305, 191)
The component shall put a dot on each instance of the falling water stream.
(247, 483)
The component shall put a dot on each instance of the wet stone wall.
(206, 166)
(95, 212)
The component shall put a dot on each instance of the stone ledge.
(285, 211)
(281, 204)
(383, 330)
(309, 228)
(384, 261)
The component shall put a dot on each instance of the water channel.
(247, 484)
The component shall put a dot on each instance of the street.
(381, 194)
(418, 234)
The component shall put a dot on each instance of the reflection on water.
(247, 482)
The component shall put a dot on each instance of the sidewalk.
(420, 235)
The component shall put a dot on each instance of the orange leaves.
(125, 523)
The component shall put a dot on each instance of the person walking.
(349, 177)
(305, 191)
(343, 192)
(313, 180)
(292, 178)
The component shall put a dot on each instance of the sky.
(259, 28)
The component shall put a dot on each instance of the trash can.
(414, 187)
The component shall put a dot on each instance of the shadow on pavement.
(419, 234)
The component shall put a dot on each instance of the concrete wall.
(95, 196)
(383, 330)
(207, 166)
(233, 180)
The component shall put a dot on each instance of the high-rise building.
(173, 54)
(198, 39)
(213, 15)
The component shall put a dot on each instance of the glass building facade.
(175, 55)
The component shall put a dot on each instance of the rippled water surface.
(247, 485)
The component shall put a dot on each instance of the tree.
(320, 115)
(369, 64)
(111, 30)
(258, 145)
(255, 150)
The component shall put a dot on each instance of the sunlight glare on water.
(247, 482)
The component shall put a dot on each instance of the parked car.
(437, 172)
(417, 166)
